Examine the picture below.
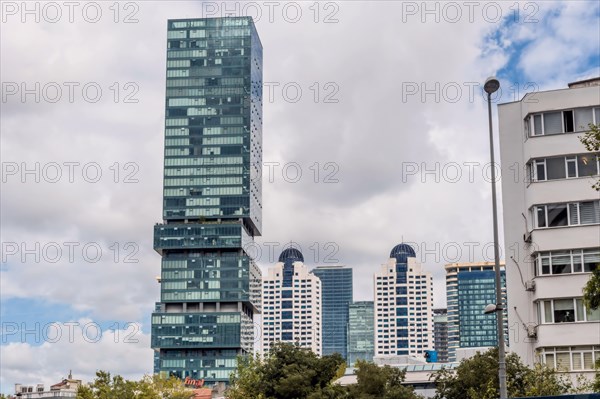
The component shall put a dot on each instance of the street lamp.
(491, 86)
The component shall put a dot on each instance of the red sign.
(195, 383)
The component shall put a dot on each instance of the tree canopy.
(477, 378)
(154, 387)
(290, 372)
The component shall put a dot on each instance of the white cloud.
(78, 347)
(370, 56)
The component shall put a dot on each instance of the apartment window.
(571, 214)
(566, 262)
(557, 122)
(575, 358)
(564, 167)
(568, 310)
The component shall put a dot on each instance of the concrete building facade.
(551, 225)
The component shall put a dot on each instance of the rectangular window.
(541, 216)
(552, 123)
(591, 259)
(589, 212)
(568, 121)
(557, 215)
(587, 165)
(572, 214)
(564, 311)
(571, 166)
(557, 122)
(555, 168)
(540, 169)
(583, 117)
(537, 125)
(561, 263)
(548, 311)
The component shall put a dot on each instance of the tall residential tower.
(403, 306)
(212, 208)
(291, 298)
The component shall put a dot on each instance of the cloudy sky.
(378, 104)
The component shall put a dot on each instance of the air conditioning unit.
(532, 332)
(530, 285)
(527, 237)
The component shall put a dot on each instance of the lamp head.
(491, 308)
(491, 85)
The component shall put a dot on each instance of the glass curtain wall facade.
(361, 332)
(470, 287)
(212, 207)
(440, 334)
(336, 295)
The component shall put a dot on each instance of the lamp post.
(491, 86)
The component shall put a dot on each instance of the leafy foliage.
(155, 387)
(591, 141)
(291, 372)
(591, 290)
(477, 378)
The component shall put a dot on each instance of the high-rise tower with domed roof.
(403, 306)
(291, 300)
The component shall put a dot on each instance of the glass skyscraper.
(212, 208)
(361, 332)
(336, 295)
(440, 334)
(469, 288)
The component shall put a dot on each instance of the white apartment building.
(67, 388)
(551, 225)
(403, 306)
(291, 304)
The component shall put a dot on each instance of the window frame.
(535, 212)
(530, 120)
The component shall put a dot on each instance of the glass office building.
(212, 207)
(440, 334)
(361, 332)
(336, 295)
(469, 288)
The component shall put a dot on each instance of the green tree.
(591, 142)
(477, 378)
(591, 290)
(289, 372)
(154, 387)
(375, 382)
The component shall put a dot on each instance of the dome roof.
(291, 253)
(402, 251)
